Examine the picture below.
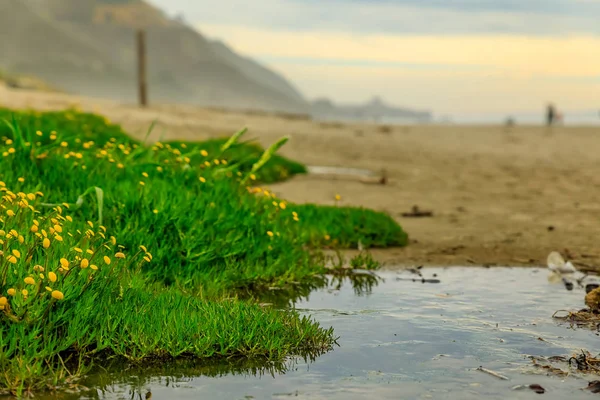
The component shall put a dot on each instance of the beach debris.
(558, 265)
(535, 387)
(563, 271)
(593, 386)
(492, 373)
(591, 286)
(416, 212)
(592, 299)
(422, 280)
(582, 318)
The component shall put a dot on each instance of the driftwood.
(417, 213)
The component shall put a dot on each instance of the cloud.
(451, 56)
(449, 74)
(508, 53)
(534, 17)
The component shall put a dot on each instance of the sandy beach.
(499, 196)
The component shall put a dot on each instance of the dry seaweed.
(582, 318)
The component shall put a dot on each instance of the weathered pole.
(141, 55)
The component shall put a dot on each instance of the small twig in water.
(492, 373)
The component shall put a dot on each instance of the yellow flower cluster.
(29, 238)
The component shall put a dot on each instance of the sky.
(453, 57)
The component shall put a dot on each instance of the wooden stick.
(492, 373)
(141, 55)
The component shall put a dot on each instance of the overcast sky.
(450, 56)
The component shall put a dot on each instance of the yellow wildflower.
(58, 295)
(84, 263)
(58, 237)
(11, 259)
(119, 255)
(204, 153)
(64, 263)
(29, 280)
(10, 213)
(93, 267)
(16, 253)
(270, 233)
(52, 276)
(107, 260)
(3, 301)
(46, 243)
(11, 292)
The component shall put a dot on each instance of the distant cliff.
(374, 110)
(87, 47)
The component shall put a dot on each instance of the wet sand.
(499, 196)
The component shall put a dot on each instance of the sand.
(499, 196)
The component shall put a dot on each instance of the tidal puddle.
(404, 339)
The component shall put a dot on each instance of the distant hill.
(375, 110)
(87, 47)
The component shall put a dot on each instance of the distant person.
(550, 114)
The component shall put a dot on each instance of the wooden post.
(141, 55)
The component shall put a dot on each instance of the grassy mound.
(184, 215)
(207, 227)
(69, 292)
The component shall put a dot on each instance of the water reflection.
(139, 379)
(400, 337)
(362, 282)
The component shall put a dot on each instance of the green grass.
(77, 126)
(244, 155)
(70, 294)
(207, 232)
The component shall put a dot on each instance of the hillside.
(87, 47)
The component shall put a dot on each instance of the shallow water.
(412, 340)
